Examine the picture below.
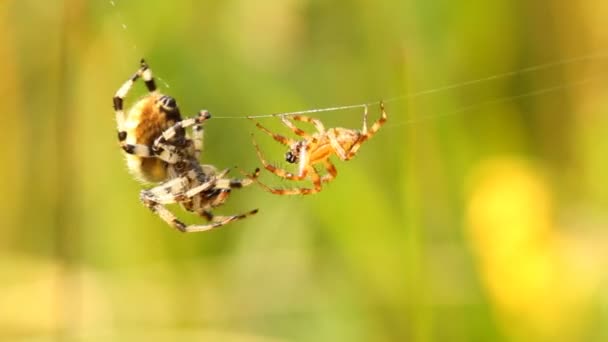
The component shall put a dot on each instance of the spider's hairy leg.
(294, 128)
(233, 183)
(121, 93)
(335, 144)
(364, 129)
(283, 140)
(376, 126)
(364, 135)
(198, 134)
(369, 134)
(221, 183)
(170, 218)
(165, 153)
(305, 156)
(217, 221)
(178, 131)
(145, 151)
(146, 75)
(165, 214)
(314, 177)
(167, 192)
(315, 122)
(118, 103)
(332, 172)
(155, 199)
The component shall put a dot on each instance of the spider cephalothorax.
(293, 154)
(159, 150)
(316, 148)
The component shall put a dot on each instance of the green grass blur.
(478, 213)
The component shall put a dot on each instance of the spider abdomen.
(145, 122)
(345, 137)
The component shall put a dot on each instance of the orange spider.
(315, 149)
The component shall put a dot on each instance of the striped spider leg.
(197, 197)
(313, 149)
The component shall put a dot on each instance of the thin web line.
(600, 55)
(133, 50)
(545, 66)
(497, 101)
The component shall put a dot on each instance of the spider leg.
(283, 140)
(369, 134)
(223, 185)
(364, 129)
(166, 151)
(220, 183)
(173, 221)
(145, 151)
(315, 122)
(178, 129)
(332, 172)
(215, 221)
(314, 176)
(335, 144)
(198, 134)
(165, 214)
(233, 183)
(355, 147)
(173, 192)
(118, 99)
(376, 126)
(146, 74)
(166, 193)
(294, 128)
(364, 136)
(305, 156)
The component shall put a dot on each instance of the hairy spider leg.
(118, 102)
(303, 118)
(173, 192)
(167, 152)
(173, 221)
(139, 150)
(314, 176)
(364, 135)
(198, 133)
(281, 139)
(372, 131)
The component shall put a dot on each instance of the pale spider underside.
(313, 149)
(159, 150)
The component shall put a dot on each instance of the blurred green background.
(478, 212)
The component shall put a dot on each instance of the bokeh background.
(479, 212)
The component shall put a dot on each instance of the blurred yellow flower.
(511, 229)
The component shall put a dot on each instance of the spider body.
(147, 120)
(314, 149)
(159, 150)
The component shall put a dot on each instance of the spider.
(158, 150)
(315, 149)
